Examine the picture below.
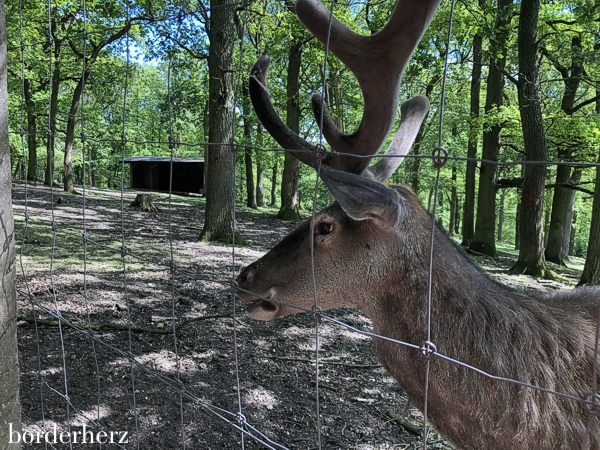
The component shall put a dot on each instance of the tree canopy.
(85, 77)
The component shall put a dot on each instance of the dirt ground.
(275, 360)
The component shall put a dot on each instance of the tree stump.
(144, 202)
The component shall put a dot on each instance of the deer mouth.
(263, 309)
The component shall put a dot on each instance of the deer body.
(371, 251)
(383, 270)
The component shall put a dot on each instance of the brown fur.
(547, 341)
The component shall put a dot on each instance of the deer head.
(365, 208)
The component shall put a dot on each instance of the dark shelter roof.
(133, 159)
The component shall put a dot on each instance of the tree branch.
(193, 53)
(508, 75)
(555, 62)
(518, 182)
(584, 103)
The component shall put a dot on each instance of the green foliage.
(161, 66)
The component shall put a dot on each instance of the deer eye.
(324, 228)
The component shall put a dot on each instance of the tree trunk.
(557, 248)
(205, 125)
(573, 233)
(218, 223)
(591, 269)
(430, 200)
(144, 202)
(501, 215)
(31, 132)
(94, 166)
(260, 183)
(559, 233)
(335, 101)
(17, 172)
(250, 193)
(531, 253)
(75, 99)
(49, 178)
(70, 136)
(517, 226)
(484, 239)
(10, 407)
(469, 204)
(453, 204)
(274, 185)
(416, 148)
(546, 225)
(290, 201)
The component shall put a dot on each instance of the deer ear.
(362, 198)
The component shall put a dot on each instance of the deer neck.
(458, 288)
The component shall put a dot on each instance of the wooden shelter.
(152, 173)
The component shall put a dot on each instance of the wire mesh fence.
(99, 258)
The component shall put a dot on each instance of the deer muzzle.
(260, 308)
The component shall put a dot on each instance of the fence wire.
(235, 419)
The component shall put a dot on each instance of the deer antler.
(377, 62)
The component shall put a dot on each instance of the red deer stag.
(371, 251)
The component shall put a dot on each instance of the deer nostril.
(247, 273)
(243, 276)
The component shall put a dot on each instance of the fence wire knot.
(26, 217)
(124, 251)
(241, 418)
(439, 157)
(22, 46)
(428, 349)
(316, 316)
(320, 152)
(22, 131)
(234, 287)
(85, 34)
(171, 142)
(50, 133)
(54, 226)
(123, 139)
(234, 144)
(85, 238)
(592, 404)
(83, 137)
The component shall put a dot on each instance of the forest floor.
(275, 359)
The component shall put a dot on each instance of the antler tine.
(266, 113)
(412, 113)
(377, 62)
